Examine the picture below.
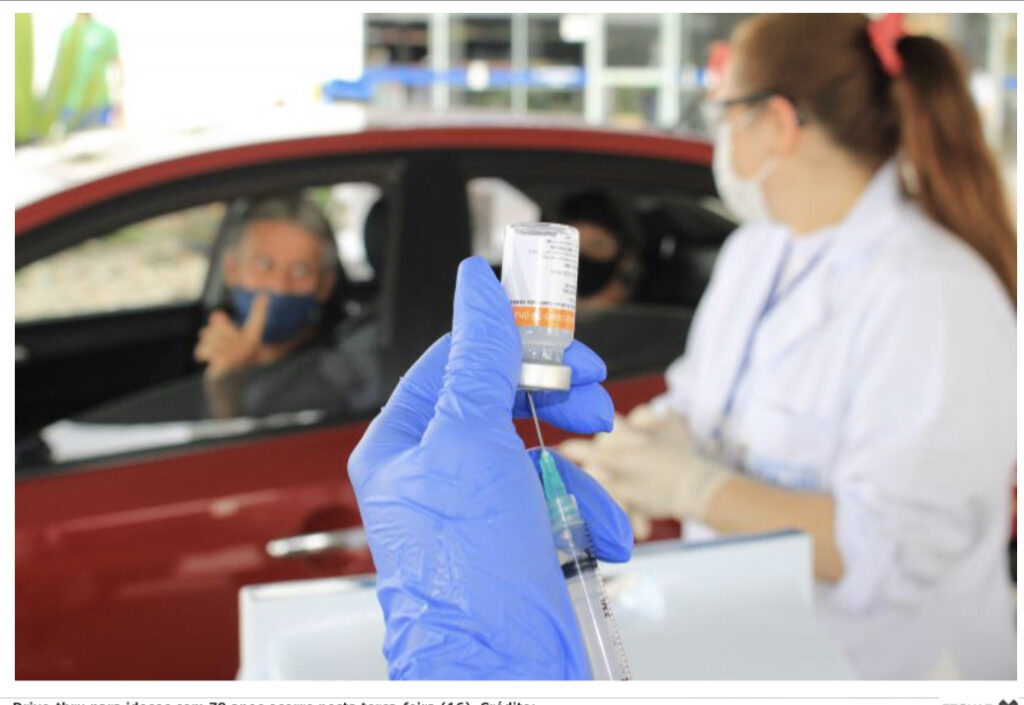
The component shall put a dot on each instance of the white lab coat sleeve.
(928, 436)
(681, 374)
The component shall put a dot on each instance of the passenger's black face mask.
(594, 275)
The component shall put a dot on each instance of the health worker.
(851, 367)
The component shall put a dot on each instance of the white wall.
(186, 64)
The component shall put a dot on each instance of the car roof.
(92, 166)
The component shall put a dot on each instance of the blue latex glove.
(454, 512)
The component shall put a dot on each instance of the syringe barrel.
(605, 654)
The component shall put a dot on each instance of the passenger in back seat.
(609, 268)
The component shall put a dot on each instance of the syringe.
(579, 566)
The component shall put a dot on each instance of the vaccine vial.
(539, 264)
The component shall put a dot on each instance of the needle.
(537, 423)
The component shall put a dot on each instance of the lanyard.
(775, 295)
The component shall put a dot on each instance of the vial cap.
(545, 377)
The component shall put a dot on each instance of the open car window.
(672, 237)
(335, 375)
(315, 385)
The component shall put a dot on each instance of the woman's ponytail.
(880, 93)
(954, 175)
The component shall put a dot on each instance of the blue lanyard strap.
(773, 298)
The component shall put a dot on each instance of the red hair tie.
(884, 33)
(718, 57)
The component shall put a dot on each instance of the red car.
(141, 509)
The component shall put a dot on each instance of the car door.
(128, 562)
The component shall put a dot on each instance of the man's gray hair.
(298, 210)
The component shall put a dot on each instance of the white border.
(221, 13)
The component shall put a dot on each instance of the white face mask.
(743, 197)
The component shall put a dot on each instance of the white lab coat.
(886, 377)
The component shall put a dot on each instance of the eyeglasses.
(713, 111)
(297, 271)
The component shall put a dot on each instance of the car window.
(159, 261)
(666, 242)
(347, 206)
(334, 372)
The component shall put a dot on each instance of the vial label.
(539, 275)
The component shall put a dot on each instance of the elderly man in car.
(280, 269)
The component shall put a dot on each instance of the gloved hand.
(454, 512)
(649, 464)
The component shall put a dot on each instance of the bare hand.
(227, 347)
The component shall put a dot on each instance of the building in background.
(629, 70)
(639, 70)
